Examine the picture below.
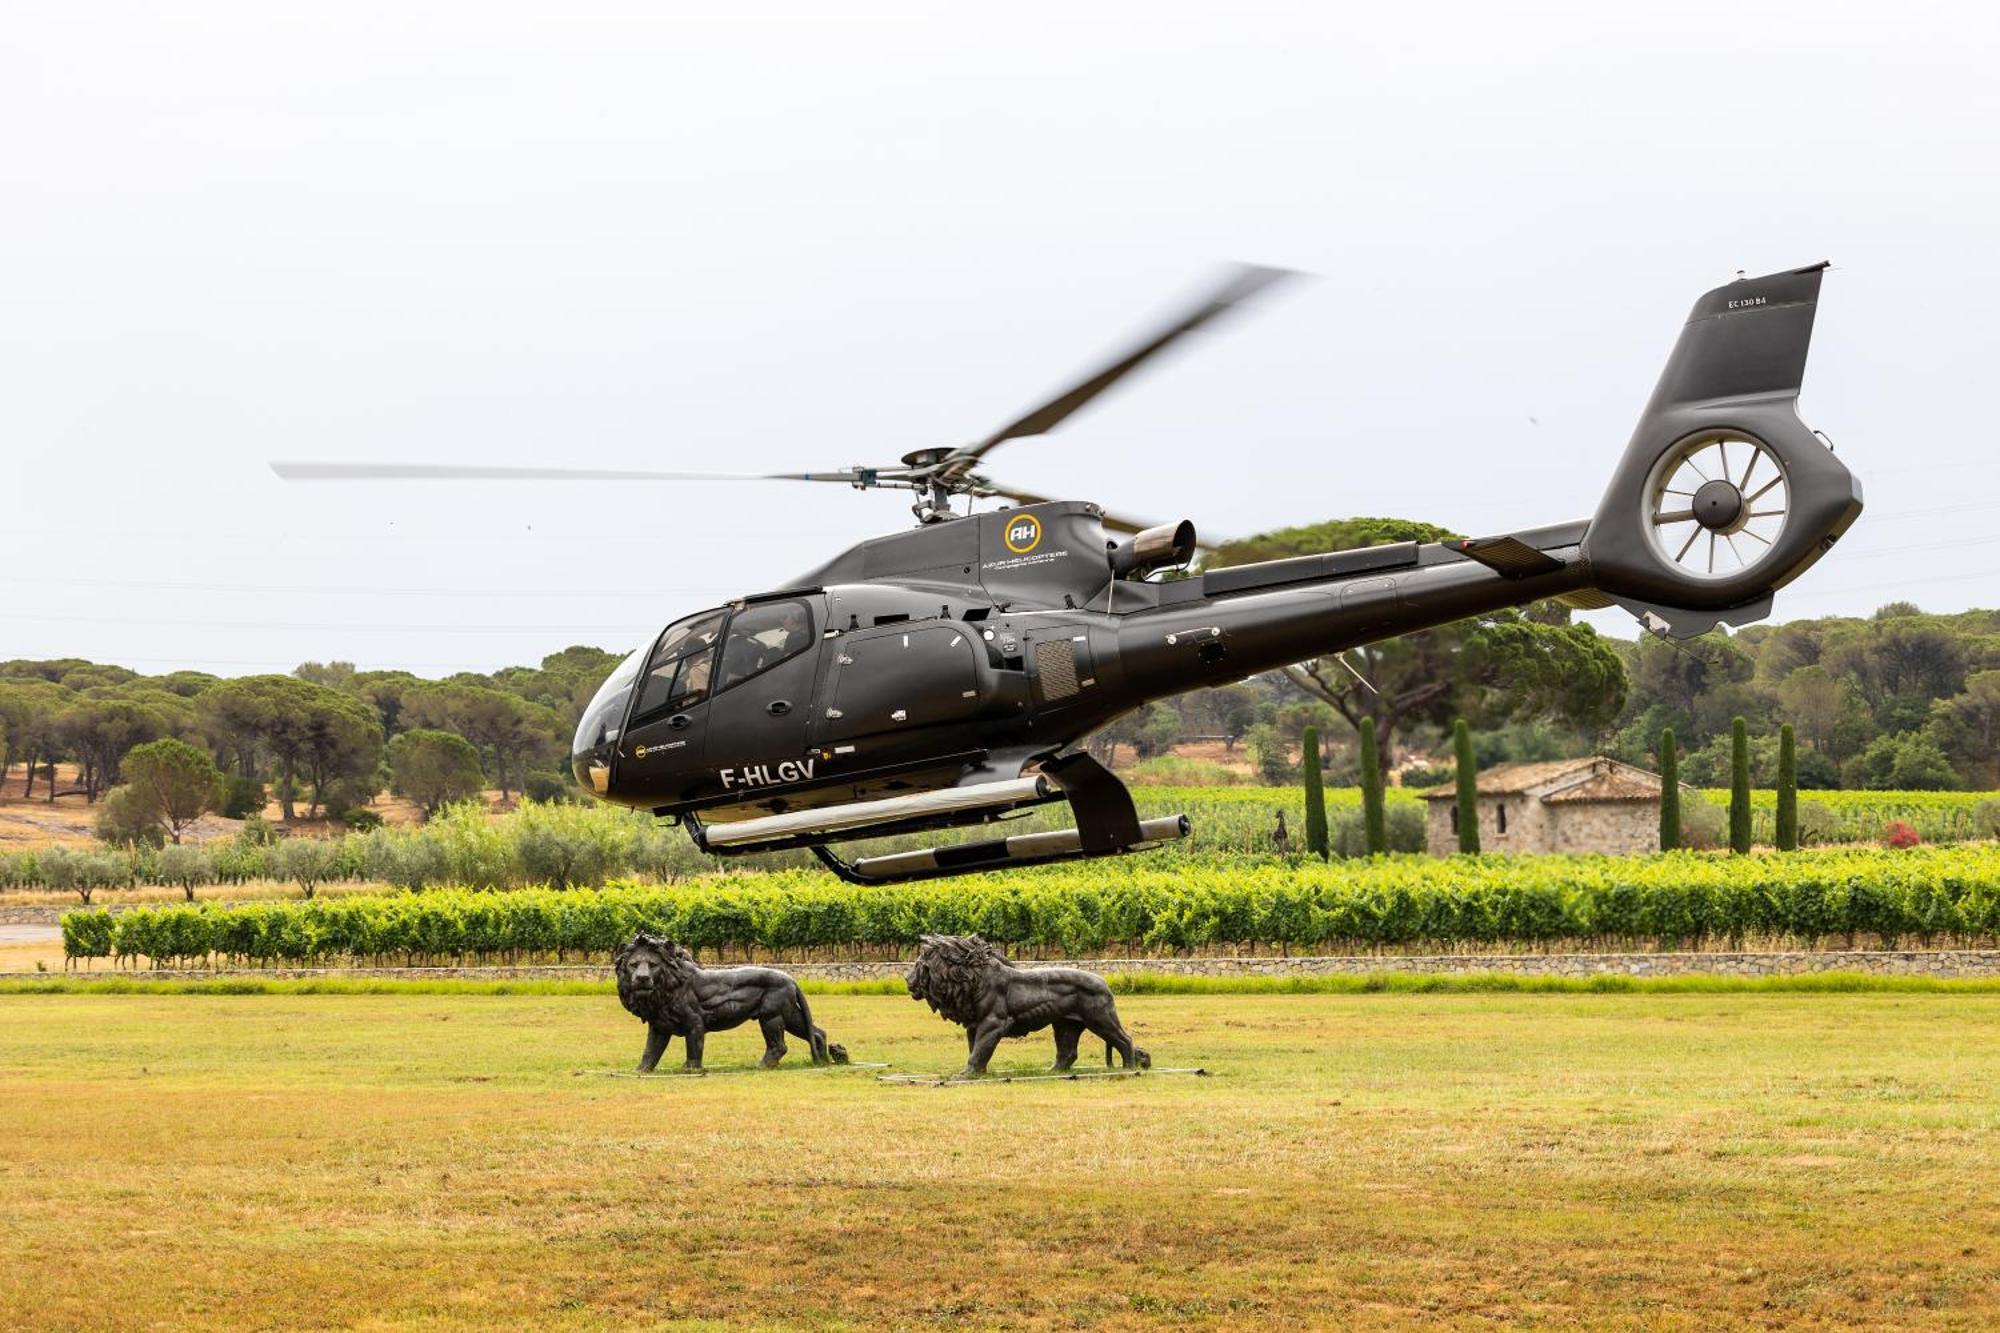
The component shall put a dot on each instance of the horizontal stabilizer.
(1509, 556)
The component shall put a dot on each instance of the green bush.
(1703, 825)
(1403, 830)
(242, 798)
(125, 819)
(186, 865)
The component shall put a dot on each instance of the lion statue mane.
(660, 983)
(967, 981)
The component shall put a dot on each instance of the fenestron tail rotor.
(937, 474)
(1716, 504)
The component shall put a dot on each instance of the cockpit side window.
(678, 675)
(762, 636)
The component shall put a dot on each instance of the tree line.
(324, 740)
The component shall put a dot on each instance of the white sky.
(780, 237)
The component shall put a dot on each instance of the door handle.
(778, 707)
(680, 721)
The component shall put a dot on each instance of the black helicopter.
(943, 676)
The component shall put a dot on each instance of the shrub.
(1422, 777)
(1703, 825)
(125, 818)
(1817, 824)
(1986, 818)
(62, 869)
(1403, 830)
(1900, 835)
(309, 861)
(567, 845)
(185, 864)
(1274, 761)
(242, 797)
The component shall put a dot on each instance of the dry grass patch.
(1638, 1161)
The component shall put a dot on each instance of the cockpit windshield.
(678, 675)
(606, 713)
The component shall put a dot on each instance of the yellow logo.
(1024, 534)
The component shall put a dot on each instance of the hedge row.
(1930, 895)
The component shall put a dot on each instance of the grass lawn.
(451, 1160)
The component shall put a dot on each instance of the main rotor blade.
(480, 472)
(1244, 281)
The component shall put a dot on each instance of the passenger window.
(762, 636)
(678, 675)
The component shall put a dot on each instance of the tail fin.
(1724, 495)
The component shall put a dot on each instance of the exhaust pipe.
(1024, 848)
(860, 814)
(1155, 548)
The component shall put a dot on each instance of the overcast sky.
(782, 237)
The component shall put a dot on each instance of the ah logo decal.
(1024, 534)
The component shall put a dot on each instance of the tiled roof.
(1619, 784)
(1592, 778)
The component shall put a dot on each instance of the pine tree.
(1315, 795)
(1468, 788)
(1739, 787)
(1375, 820)
(1670, 792)
(1788, 790)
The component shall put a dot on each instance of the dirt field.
(459, 1161)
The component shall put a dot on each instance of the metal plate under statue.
(660, 983)
(968, 982)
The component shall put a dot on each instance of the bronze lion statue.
(969, 982)
(660, 983)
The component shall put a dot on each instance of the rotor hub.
(1718, 506)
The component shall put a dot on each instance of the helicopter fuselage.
(965, 651)
(940, 676)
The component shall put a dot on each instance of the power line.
(334, 628)
(361, 590)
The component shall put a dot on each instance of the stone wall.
(1904, 962)
(1534, 825)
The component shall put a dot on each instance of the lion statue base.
(660, 983)
(968, 982)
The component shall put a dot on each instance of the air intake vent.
(1055, 668)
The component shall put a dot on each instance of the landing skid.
(1107, 824)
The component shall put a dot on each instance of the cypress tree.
(1468, 788)
(1739, 787)
(1788, 790)
(1670, 792)
(1374, 819)
(1315, 795)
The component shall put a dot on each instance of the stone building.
(1592, 804)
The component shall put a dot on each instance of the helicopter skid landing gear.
(1025, 849)
(1107, 824)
